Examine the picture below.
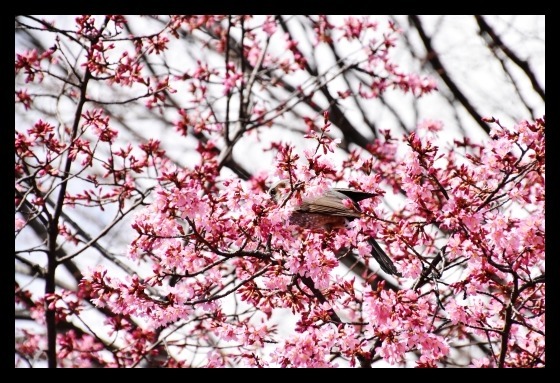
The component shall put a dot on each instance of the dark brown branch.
(436, 63)
(485, 28)
(336, 115)
(50, 283)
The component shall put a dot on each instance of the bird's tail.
(383, 259)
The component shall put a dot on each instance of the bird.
(329, 210)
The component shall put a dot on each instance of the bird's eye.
(273, 192)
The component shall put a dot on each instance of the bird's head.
(279, 190)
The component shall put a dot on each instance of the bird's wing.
(330, 203)
(354, 195)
